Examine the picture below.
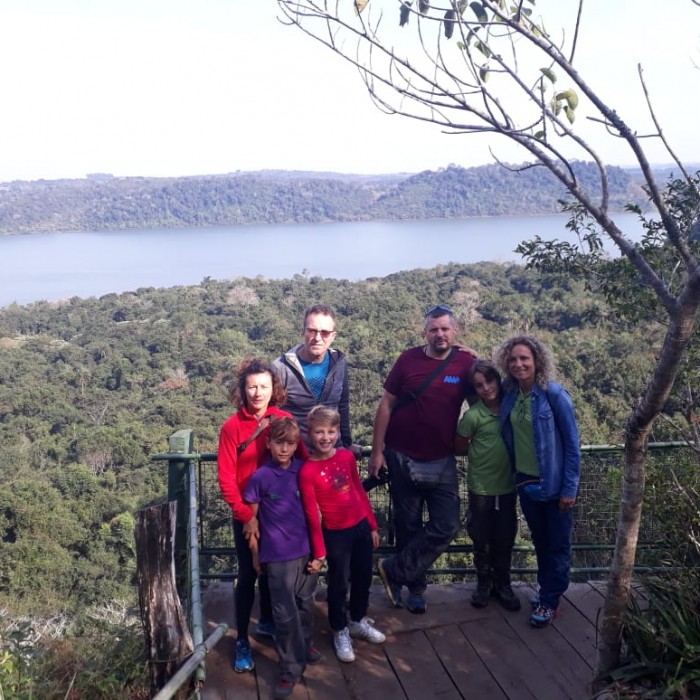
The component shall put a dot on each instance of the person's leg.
(338, 554)
(534, 513)
(435, 537)
(244, 591)
(290, 643)
(407, 500)
(504, 526)
(305, 602)
(360, 570)
(478, 531)
(555, 579)
(503, 532)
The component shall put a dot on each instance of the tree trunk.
(681, 327)
(168, 639)
(620, 579)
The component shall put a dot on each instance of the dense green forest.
(107, 203)
(89, 389)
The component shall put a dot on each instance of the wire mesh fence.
(595, 517)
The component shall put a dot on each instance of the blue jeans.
(244, 591)
(418, 544)
(551, 530)
(349, 555)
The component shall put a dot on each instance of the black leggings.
(244, 591)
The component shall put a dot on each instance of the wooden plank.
(515, 664)
(587, 600)
(463, 664)
(419, 669)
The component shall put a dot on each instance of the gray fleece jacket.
(300, 398)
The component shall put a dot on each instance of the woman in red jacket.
(257, 395)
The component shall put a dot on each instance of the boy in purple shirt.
(284, 550)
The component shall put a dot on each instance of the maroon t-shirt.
(425, 427)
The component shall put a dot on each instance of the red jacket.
(234, 469)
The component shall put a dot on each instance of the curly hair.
(254, 365)
(544, 364)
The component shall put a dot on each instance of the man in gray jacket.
(315, 374)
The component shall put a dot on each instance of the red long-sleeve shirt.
(332, 494)
(235, 469)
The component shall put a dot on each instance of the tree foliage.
(494, 68)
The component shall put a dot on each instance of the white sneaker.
(343, 646)
(364, 630)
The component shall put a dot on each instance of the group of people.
(287, 467)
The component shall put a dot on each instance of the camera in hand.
(371, 482)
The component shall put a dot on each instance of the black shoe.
(505, 596)
(480, 597)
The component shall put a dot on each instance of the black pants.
(244, 592)
(349, 555)
(492, 524)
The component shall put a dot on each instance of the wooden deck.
(452, 652)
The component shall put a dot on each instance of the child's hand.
(375, 538)
(314, 566)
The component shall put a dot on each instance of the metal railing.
(205, 551)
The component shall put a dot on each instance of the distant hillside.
(102, 202)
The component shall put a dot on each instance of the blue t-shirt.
(316, 374)
(284, 535)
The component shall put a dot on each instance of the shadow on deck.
(453, 652)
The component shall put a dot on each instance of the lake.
(61, 265)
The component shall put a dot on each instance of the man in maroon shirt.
(414, 430)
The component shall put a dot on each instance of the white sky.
(175, 87)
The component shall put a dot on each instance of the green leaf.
(405, 13)
(549, 74)
(483, 48)
(479, 11)
(569, 114)
(570, 96)
(540, 135)
(484, 74)
(449, 23)
(423, 6)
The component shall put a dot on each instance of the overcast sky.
(174, 87)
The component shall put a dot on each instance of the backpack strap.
(413, 395)
(261, 426)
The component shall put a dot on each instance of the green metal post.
(181, 442)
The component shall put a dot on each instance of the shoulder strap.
(413, 395)
(261, 426)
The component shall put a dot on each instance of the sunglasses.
(313, 332)
(440, 309)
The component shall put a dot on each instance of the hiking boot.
(266, 628)
(283, 689)
(244, 658)
(393, 590)
(343, 646)
(364, 630)
(480, 597)
(313, 656)
(416, 604)
(505, 596)
(542, 615)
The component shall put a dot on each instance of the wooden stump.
(168, 638)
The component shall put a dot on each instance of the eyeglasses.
(313, 332)
(440, 309)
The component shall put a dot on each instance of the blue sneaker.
(266, 628)
(244, 659)
(535, 602)
(542, 615)
(393, 590)
(416, 604)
